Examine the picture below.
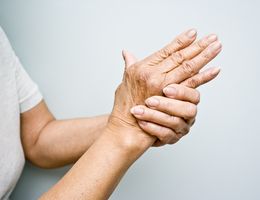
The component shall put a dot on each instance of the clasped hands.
(157, 100)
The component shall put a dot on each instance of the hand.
(172, 64)
(170, 119)
(161, 121)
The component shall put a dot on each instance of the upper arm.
(32, 123)
(34, 113)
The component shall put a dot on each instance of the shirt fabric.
(18, 94)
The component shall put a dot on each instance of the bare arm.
(51, 143)
(100, 169)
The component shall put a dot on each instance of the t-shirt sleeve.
(28, 93)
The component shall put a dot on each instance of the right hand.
(166, 119)
(174, 63)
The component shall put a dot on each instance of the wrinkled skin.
(174, 64)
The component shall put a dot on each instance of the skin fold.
(155, 104)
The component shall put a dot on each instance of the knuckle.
(197, 96)
(165, 52)
(188, 68)
(192, 82)
(185, 130)
(166, 136)
(179, 41)
(143, 75)
(177, 121)
(153, 83)
(178, 57)
(171, 120)
(174, 140)
(193, 122)
(207, 55)
(191, 110)
(180, 92)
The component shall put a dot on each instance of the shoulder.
(3, 38)
(7, 55)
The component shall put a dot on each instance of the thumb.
(129, 58)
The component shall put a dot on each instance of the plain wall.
(72, 49)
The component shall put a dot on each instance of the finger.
(190, 122)
(144, 113)
(191, 67)
(172, 107)
(165, 135)
(187, 53)
(181, 92)
(159, 143)
(201, 78)
(129, 58)
(179, 136)
(180, 42)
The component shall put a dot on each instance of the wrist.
(131, 140)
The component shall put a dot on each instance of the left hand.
(163, 119)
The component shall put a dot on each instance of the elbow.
(39, 159)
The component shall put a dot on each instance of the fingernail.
(137, 110)
(212, 38)
(215, 71)
(216, 46)
(191, 33)
(170, 91)
(153, 102)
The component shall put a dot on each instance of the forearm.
(99, 170)
(62, 142)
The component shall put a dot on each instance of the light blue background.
(72, 49)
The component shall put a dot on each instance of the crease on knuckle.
(180, 93)
(207, 55)
(192, 82)
(165, 52)
(171, 120)
(188, 68)
(175, 122)
(179, 41)
(178, 57)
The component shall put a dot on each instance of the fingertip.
(191, 33)
(137, 110)
(170, 91)
(212, 38)
(215, 71)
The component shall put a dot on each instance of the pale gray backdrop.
(72, 49)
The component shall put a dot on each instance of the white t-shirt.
(18, 93)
